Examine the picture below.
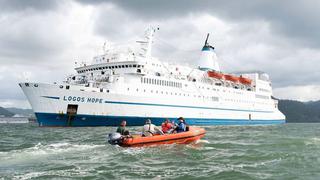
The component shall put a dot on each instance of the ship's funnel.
(208, 59)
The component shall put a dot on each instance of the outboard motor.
(114, 138)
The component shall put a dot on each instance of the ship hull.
(56, 106)
(51, 119)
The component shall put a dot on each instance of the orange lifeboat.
(231, 78)
(194, 134)
(244, 80)
(215, 74)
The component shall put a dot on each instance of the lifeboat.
(215, 74)
(231, 78)
(244, 80)
(194, 134)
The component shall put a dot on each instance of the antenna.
(104, 47)
(146, 45)
(206, 42)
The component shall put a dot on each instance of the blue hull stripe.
(51, 97)
(180, 106)
(52, 119)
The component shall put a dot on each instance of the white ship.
(122, 84)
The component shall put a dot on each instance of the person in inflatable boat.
(150, 129)
(167, 127)
(122, 128)
(182, 126)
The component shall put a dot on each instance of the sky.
(40, 41)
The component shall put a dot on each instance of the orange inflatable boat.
(194, 134)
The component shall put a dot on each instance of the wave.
(40, 150)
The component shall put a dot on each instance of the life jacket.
(166, 127)
(181, 127)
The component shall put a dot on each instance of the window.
(101, 90)
(127, 66)
(67, 87)
(134, 65)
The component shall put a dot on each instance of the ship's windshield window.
(100, 68)
(123, 66)
(139, 66)
(130, 65)
(127, 66)
(134, 65)
(112, 67)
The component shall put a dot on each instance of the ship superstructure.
(125, 84)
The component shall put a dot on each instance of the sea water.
(288, 151)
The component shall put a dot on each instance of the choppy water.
(290, 151)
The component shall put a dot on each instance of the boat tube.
(187, 137)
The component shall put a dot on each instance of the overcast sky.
(41, 40)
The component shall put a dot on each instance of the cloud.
(8, 6)
(296, 20)
(301, 93)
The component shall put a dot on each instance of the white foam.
(40, 150)
(313, 141)
(202, 141)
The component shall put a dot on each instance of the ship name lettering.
(94, 100)
(73, 98)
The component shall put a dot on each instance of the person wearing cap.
(181, 125)
(150, 129)
(122, 128)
